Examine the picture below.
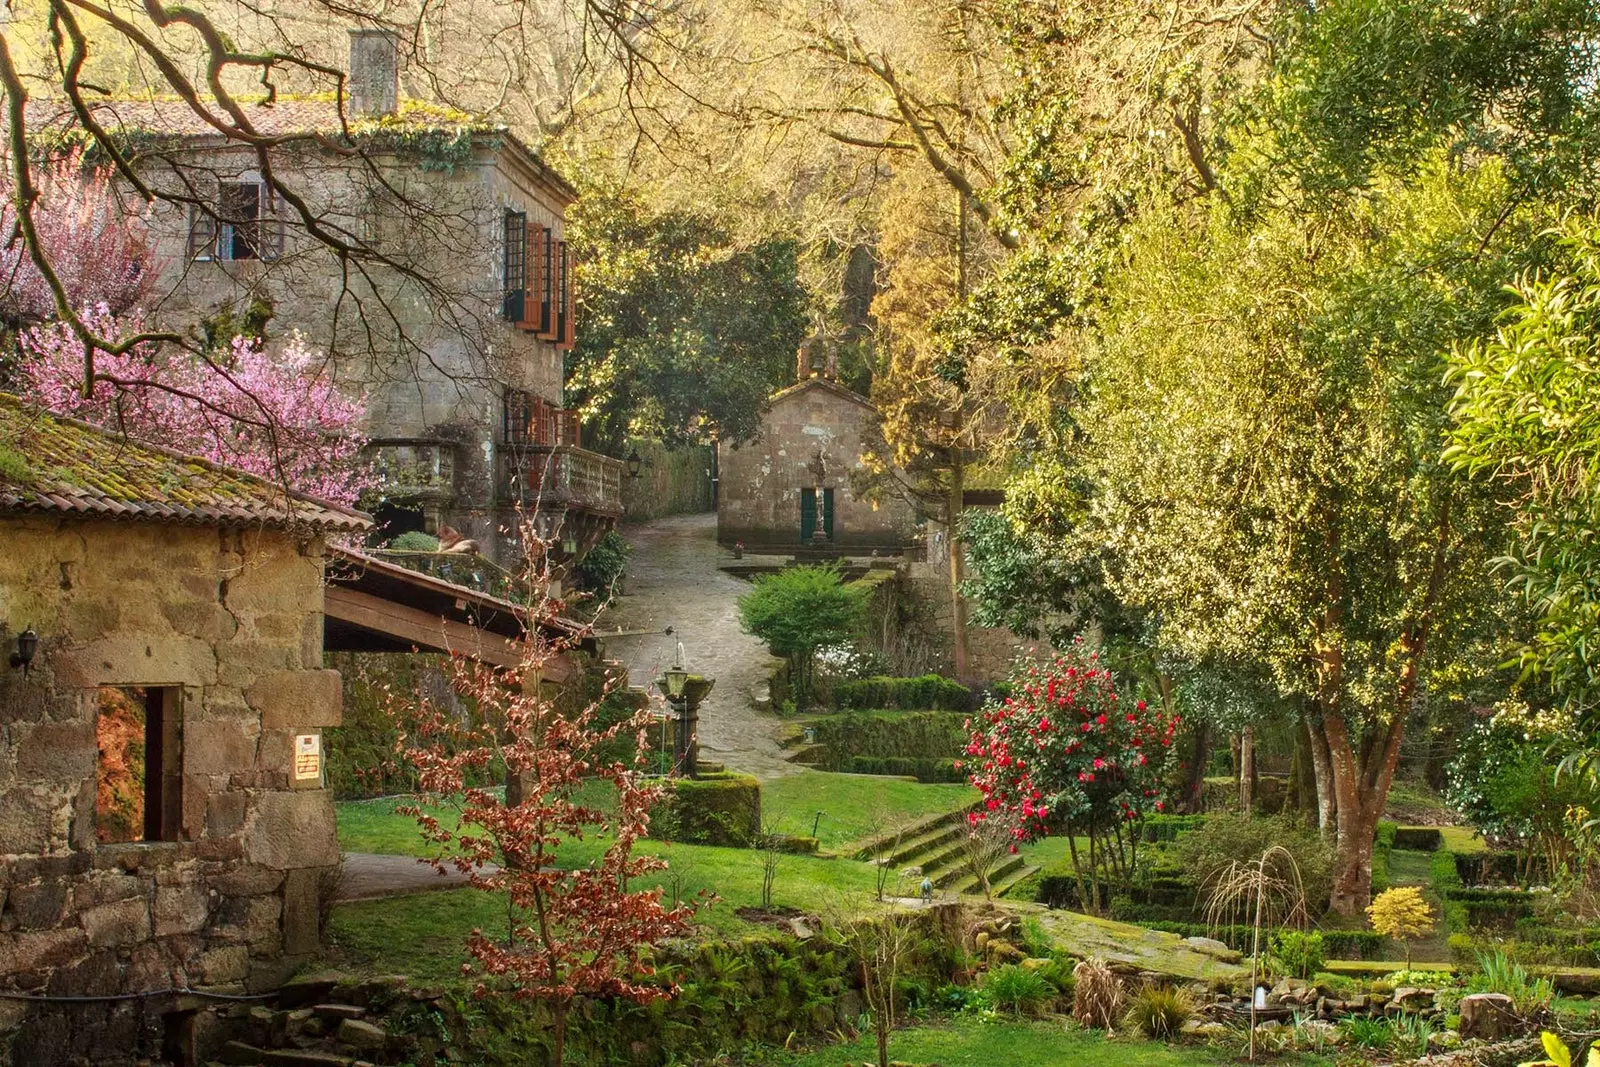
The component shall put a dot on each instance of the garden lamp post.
(676, 684)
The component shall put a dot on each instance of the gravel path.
(673, 580)
(367, 876)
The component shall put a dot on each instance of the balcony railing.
(561, 476)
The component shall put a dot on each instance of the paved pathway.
(367, 876)
(673, 580)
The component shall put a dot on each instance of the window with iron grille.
(515, 265)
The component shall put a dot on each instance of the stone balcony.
(560, 477)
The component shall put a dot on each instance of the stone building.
(789, 488)
(427, 256)
(163, 821)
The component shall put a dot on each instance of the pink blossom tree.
(99, 246)
(276, 414)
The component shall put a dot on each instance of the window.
(139, 773)
(516, 265)
(239, 211)
(564, 320)
(242, 226)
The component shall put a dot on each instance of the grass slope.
(968, 1043)
(855, 807)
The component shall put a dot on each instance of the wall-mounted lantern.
(27, 645)
(634, 462)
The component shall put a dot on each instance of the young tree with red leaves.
(1061, 754)
(576, 930)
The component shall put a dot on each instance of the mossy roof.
(52, 464)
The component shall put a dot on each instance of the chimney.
(374, 82)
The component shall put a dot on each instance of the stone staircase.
(932, 849)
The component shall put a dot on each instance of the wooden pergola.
(372, 605)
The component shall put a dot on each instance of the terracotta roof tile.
(49, 463)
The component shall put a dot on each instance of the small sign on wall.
(308, 758)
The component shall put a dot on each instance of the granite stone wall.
(231, 621)
(812, 437)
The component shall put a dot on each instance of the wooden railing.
(561, 476)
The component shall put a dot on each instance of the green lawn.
(1462, 839)
(968, 1043)
(855, 807)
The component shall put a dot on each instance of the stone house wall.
(759, 492)
(429, 365)
(232, 619)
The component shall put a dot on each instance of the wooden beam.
(432, 633)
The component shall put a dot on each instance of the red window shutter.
(533, 272)
(569, 330)
(549, 320)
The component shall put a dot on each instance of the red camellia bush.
(1062, 754)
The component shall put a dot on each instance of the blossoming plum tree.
(276, 414)
(1062, 754)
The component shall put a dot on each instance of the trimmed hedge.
(722, 808)
(1382, 846)
(930, 692)
(1494, 868)
(1337, 944)
(1164, 828)
(1418, 838)
(929, 735)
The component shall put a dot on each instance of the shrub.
(1498, 973)
(414, 541)
(714, 809)
(923, 770)
(801, 609)
(1159, 1012)
(1402, 914)
(1096, 994)
(601, 567)
(1018, 989)
(1232, 838)
(930, 692)
(1443, 872)
(1298, 954)
(930, 735)
(1374, 1034)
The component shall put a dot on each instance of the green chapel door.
(809, 517)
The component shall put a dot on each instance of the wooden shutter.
(514, 266)
(567, 331)
(549, 269)
(202, 233)
(533, 244)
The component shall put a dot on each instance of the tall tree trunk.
(1194, 783)
(1247, 769)
(958, 605)
(1322, 773)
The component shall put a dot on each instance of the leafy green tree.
(801, 609)
(1527, 411)
(684, 331)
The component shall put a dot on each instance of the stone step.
(884, 842)
(913, 848)
(1004, 875)
(237, 1052)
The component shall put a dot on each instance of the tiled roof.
(53, 464)
(819, 382)
(288, 116)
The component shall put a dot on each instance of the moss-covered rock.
(721, 808)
